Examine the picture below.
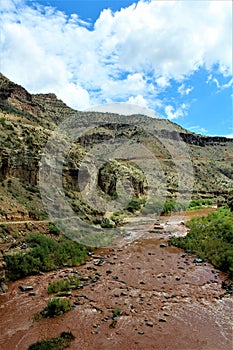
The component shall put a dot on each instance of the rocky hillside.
(27, 121)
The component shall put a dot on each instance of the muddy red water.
(166, 300)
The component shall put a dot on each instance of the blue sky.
(173, 57)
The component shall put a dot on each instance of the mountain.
(98, 165)
(165, 150)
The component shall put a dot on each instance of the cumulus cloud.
(138, 100)
(162, 82)
(130, 55)
(173, 113)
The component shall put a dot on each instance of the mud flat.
(160, 297)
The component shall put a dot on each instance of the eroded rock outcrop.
(113, 171)
(3, 285)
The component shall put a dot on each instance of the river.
(166, 300)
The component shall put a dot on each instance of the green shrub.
(53, 230)
(211, 236)
(45, 254)
(106, 223)
(56, 307)
(135, 204)
(59, 286)
(3, 121)
(161, 207)
(115, 314)
(61, 342)
(63, 285)
(200, 203)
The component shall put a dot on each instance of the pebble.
(96, 325)
(166, 295)
(163, 245)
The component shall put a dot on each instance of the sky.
(171, 57)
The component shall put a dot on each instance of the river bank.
(166, 300)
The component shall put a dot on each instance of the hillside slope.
(27, 121)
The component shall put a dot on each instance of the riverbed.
(166, 300)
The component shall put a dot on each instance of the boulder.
(25, 288)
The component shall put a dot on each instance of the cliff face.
(26, 122)
(43, 109)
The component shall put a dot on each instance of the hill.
(27, 121)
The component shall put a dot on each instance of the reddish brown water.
(183, 301)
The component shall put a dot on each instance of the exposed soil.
(167, 301)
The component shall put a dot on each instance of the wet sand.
(167, 301)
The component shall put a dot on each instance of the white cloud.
(124, 109)
(162, 82)
(74, 95)
(138, 100)
(133, 52)
(173, 113)
(183, 90)
(229, 84)
(218, 84)
(198, 129)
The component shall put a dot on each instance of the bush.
(59, 343)
(106, 223)
(53, 230)
(211, 237)
(63, 285)
(45, 254)
(135, 204)
(200, 203)
(159, 207)
(59, 286)
(115, 314)
(56, 307)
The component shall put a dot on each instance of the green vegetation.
(200, 203)
(61, 342)
(159, 207)
(53, 230)
(106, 223)
(3, 121)
(45, 254)
(211, 237)
(115, 314)
(4, 229)
(59, 286)
(171, 205)
(135, 204)
(56, 307)
(63, 285)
